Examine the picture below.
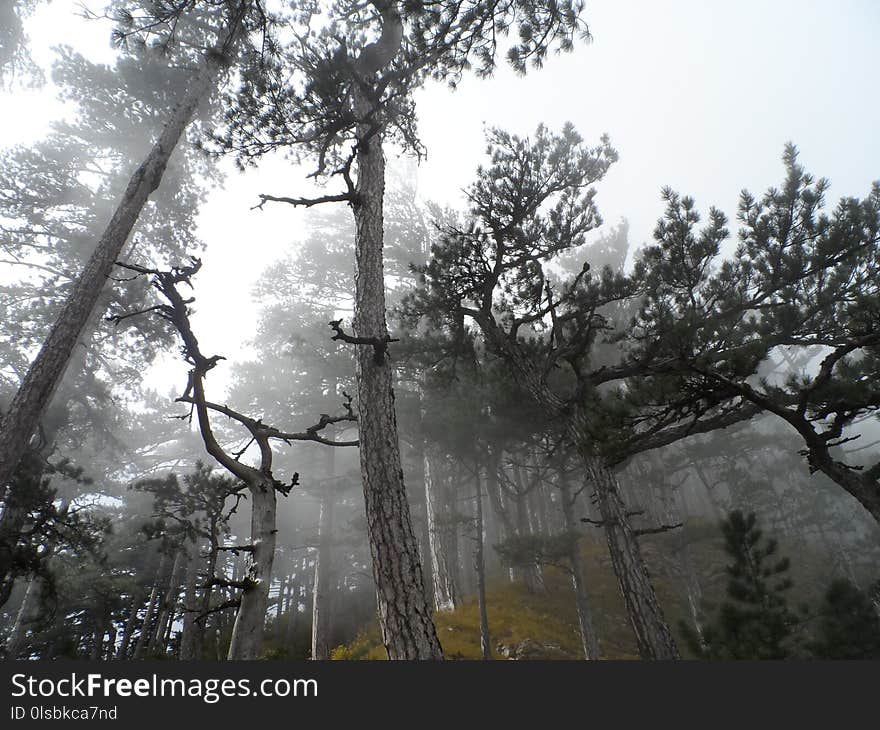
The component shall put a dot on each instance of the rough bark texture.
(325, 581)
(404, 614)
(20, 422)
(250, 621)
(653, 637)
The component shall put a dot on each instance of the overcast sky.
(697, 95)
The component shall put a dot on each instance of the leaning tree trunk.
(589, 639)
(250, 620)
(404, 614)
(19, 423)
(653, 637)
(325, 580)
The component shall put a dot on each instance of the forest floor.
(543, 625)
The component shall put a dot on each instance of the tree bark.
(530, 574)
(169, 602)
(20, 421)
(15, 641)
(292, 607)
(145, 635)
(325, 580)
(589, 639)
(480, 569)
(405, 620)
(653, 637)
(441, 545)
(250, 621)
(190, 643)
(137, 598)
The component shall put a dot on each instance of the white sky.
(698, 95)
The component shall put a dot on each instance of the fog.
(577, 406)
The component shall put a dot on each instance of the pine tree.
(21, 418)
(756, 622)
(849, 627)
(340, 94)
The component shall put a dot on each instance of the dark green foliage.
(35, 522)
(756, 622)
(848, 624)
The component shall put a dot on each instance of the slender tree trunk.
(493, 491)
(292, 608)
(111, 640)
(530, 574)
(325, 581)
(98, 639)
(653, 637)
(137, 599)
(15, 642)
(480, 569)
(405, 617)
(144, 637)
(190, 638)
(589, 639)
(250, 621)
(20, 420)
(169, 601)
(444, 560)
(279, 604)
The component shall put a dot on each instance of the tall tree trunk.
(190, 643)
(589, 639)
(493, 491)
(325, 580)
(441, 531)
(98, 639)
(137, 599)
(15, 642)
(530, 574)
(653, 637)
(169, 601)
(279, 603)
(145, 635)
(405, 617)
(250, 620)
(111, 639)
(480, 569)
(292, 608)
(20, 421)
